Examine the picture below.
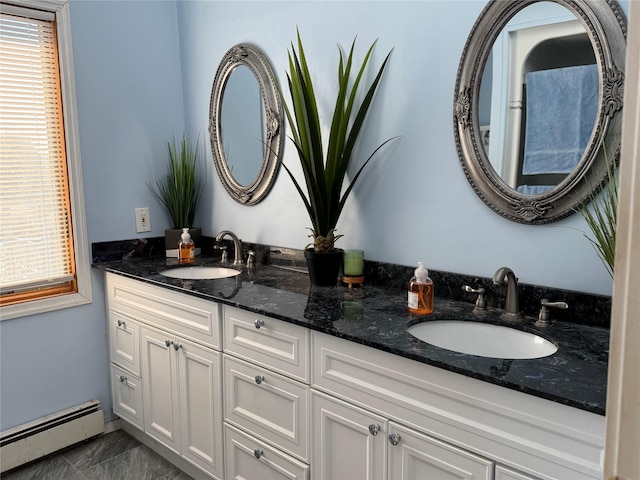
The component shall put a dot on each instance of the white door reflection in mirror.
(539, 98)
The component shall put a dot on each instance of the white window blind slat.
(36, 245)
(18, 11)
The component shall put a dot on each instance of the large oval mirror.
(538, 104)
(245, 120)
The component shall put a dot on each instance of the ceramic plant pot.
(324, 268)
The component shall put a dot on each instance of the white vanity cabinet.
(167, 369)
(266, 397)
(227, 393)
(446, 419)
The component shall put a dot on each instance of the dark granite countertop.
(576, 375)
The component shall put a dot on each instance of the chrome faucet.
(512, 302)
(237, 245)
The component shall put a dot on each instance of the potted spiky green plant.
(324, 175)
(601, 216)
(180, 190)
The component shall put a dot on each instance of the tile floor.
(115, 456)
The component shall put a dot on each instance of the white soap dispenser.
(420, 292)
(186, 248)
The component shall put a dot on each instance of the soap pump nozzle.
(421, 273)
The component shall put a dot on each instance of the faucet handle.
(251, 258)
(469, 289)
(544, 317)
(224, 258)
(481, 303)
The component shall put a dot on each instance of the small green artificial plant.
(324, 176)
(602, 217)
(181, 188)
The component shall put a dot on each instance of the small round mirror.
(245, 120)
(538, 102)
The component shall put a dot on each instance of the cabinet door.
(413, 455)
(124, 343)
(348, 442)
(200, 405)
(247, 458)
(126, 395)
(160, 387)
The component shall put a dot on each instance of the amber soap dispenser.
(186, 248)
(420, 292)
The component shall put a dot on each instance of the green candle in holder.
(353, 267)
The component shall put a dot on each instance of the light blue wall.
(129, 97)
(130, 103)
(414, 203)
(139, 81)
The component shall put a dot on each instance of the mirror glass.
(245, 119)
(242, 126)
(538, 103)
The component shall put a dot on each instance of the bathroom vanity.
(261, 376)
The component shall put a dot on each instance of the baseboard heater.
(49, 434)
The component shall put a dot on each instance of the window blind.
(36, 240)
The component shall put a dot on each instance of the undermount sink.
(200, 273)
(483, 339)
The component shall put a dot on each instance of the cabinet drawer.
(124, 342)
(179, 313)
(281, 346)
(247, 457)
(270, 406)
(126, 395)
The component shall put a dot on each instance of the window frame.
(61, 10)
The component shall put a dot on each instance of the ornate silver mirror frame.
(272, 118)
(605, 25)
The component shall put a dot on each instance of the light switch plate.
(143, 220)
